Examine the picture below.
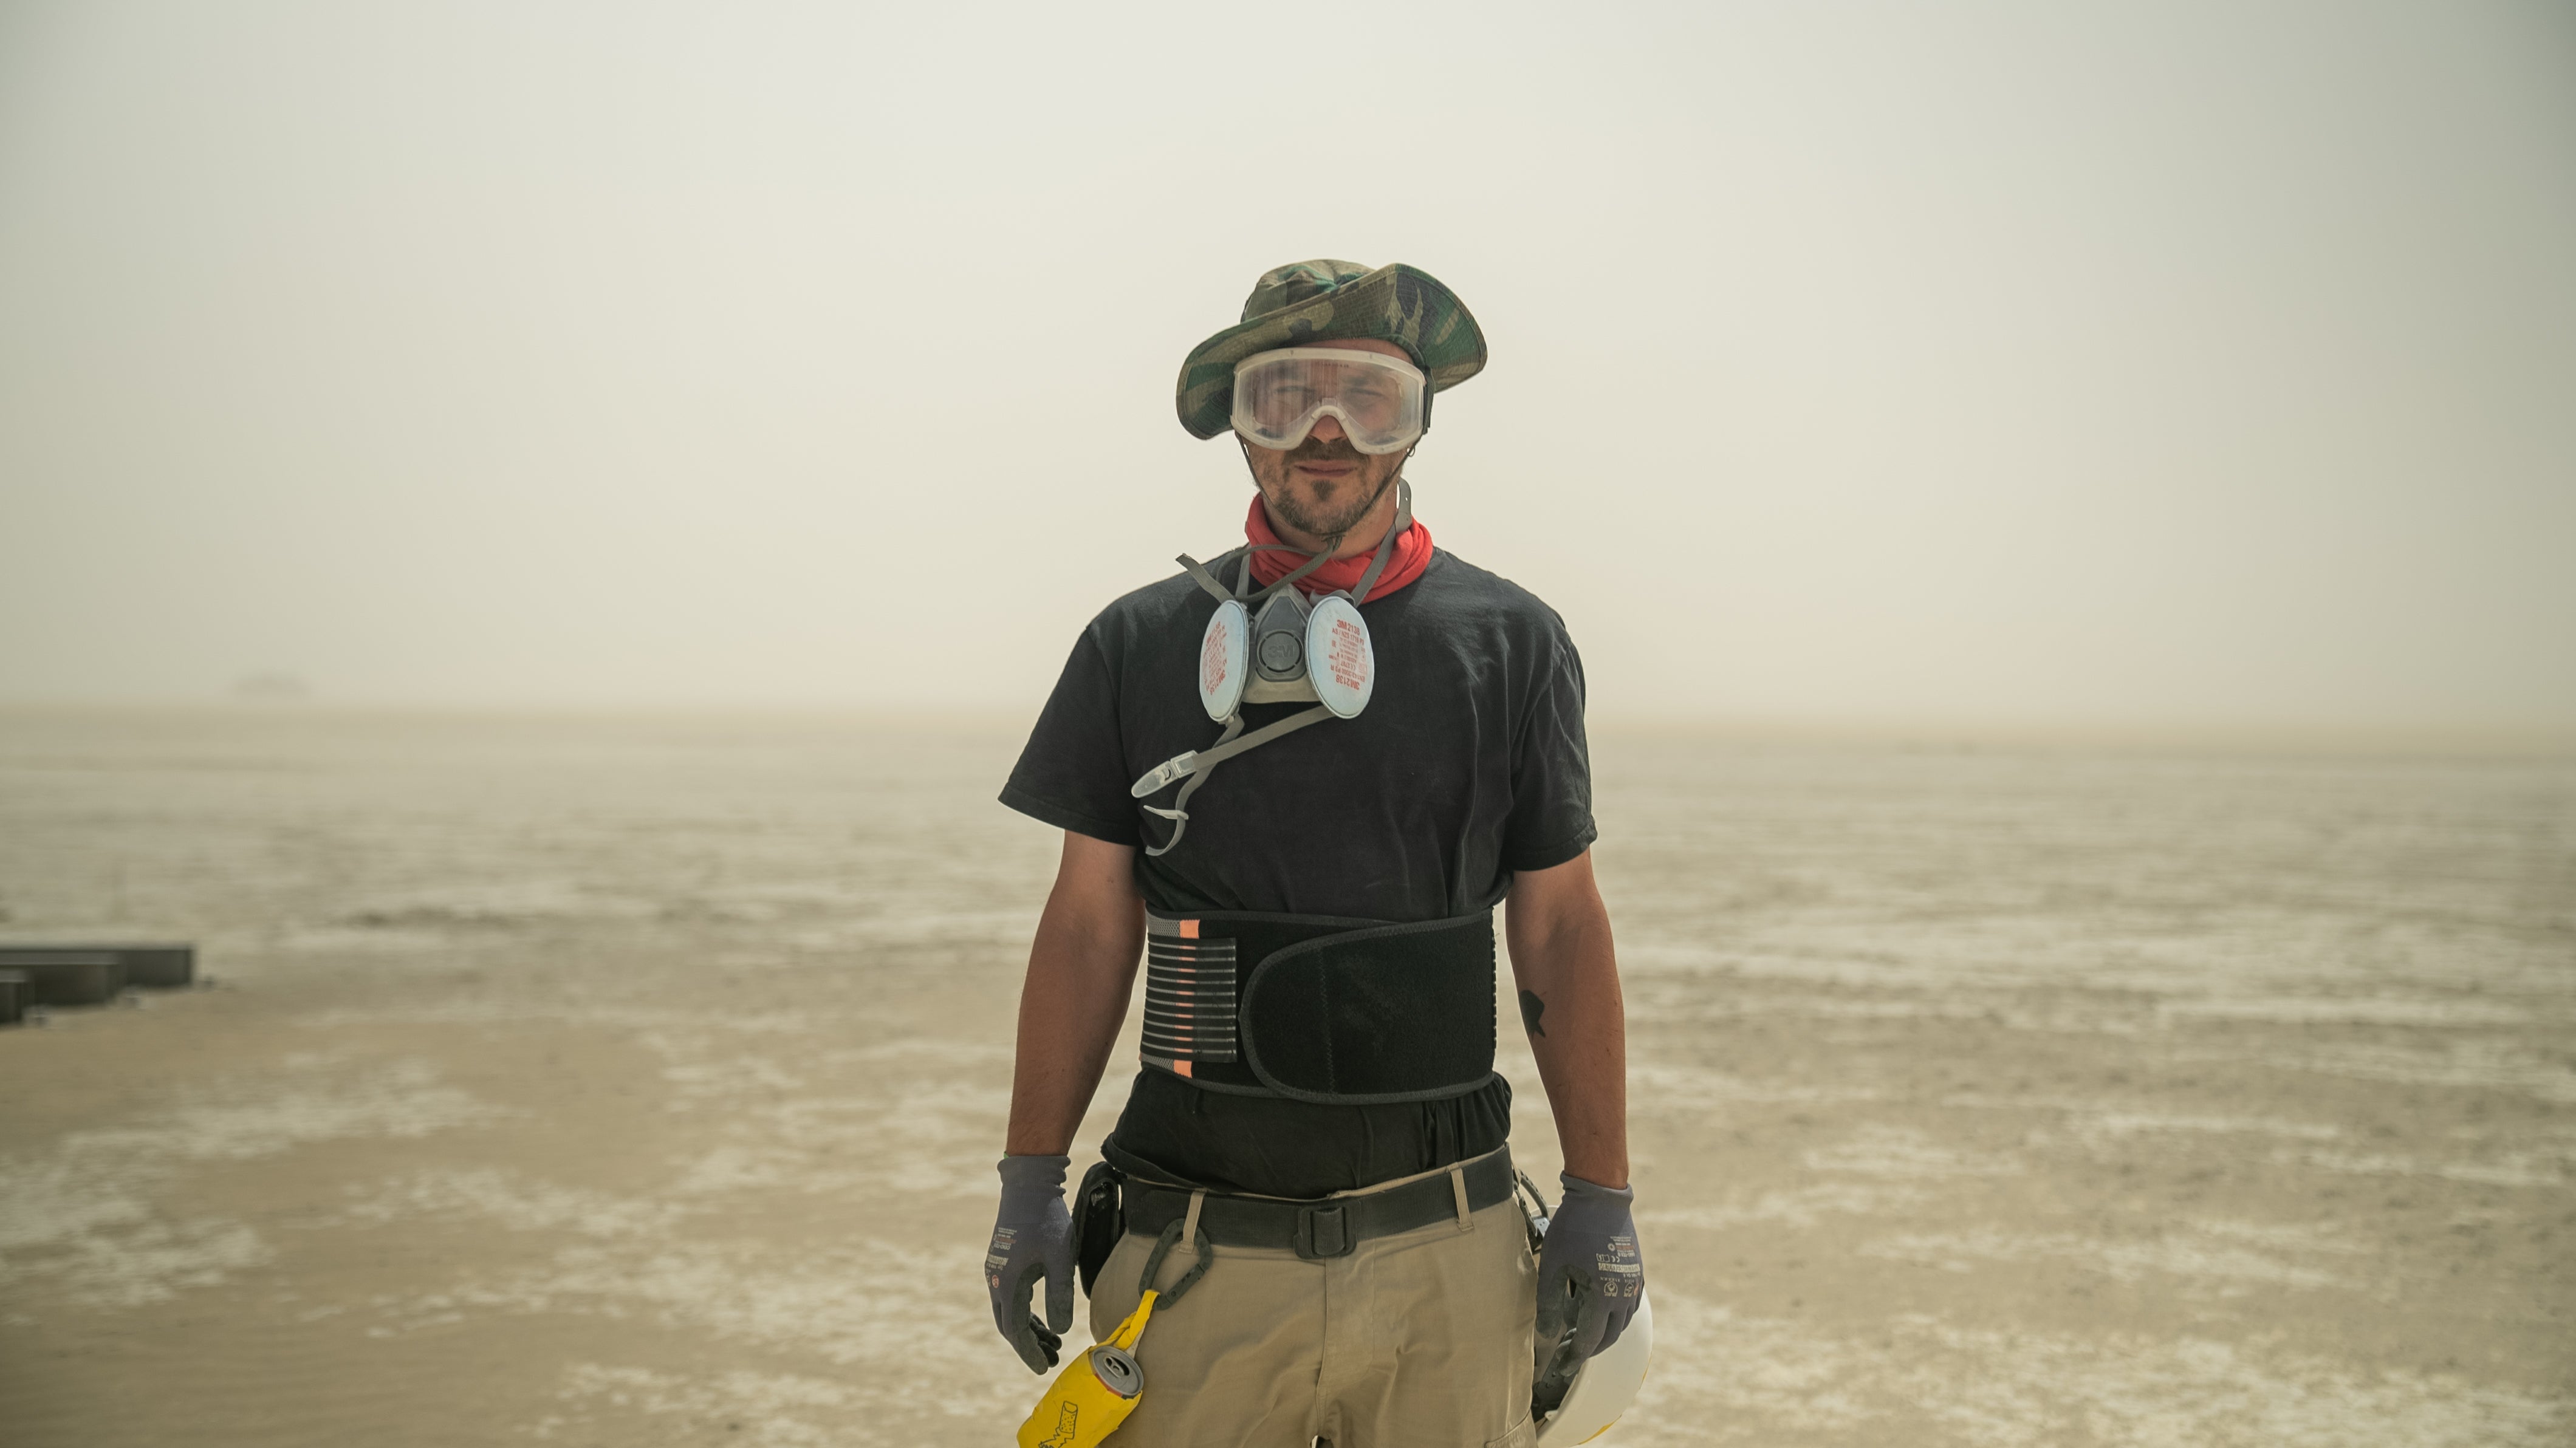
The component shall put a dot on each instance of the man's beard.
(1331, 519)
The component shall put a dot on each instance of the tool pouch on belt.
(1320, 1008)
(1098, 1221)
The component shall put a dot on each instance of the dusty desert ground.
(638, 1083)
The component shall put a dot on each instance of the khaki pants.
(1418, 1340)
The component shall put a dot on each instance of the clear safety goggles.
(1278, 395)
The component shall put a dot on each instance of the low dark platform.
(147, 967)
(67, 977)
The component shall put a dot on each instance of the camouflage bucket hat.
(1321, 301)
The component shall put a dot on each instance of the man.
(1315, 1142)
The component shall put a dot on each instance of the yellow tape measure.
(1094, 1393)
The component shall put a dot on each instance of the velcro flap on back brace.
(1391, 1013)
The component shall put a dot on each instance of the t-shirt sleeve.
(1073, 773)
(1551, 818)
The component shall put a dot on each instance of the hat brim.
(1394, 303)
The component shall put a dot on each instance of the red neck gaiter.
(1412, 554)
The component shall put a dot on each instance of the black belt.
(1321, 1229)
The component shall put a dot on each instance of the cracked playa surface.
(585, 1082)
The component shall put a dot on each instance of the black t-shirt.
(1468, 764)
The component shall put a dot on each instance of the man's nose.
(1329, 428)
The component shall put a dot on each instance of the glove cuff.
(1577, 1189)
(1033, 1175)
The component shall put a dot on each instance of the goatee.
(1325, 520)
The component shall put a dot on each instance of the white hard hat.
(1604, 1387)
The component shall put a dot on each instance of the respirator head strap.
(1244, 580)
(1368, 580)
(1200, 575)
(1386, 545)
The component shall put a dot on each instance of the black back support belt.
(1331, 1227)
(1320, 1008)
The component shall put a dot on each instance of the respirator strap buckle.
(1194, 766)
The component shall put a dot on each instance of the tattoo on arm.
(1531, 1009)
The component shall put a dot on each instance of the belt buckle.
(1322, 1233)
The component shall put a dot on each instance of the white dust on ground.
(83, 1213)
(593, 1082)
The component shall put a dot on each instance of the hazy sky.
(2154, 363)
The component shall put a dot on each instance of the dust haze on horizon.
(2023, 364)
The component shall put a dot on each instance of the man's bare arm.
(1081, 967)
(1568, 976)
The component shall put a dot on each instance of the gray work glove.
(1032, 1238)
(1590, 1275)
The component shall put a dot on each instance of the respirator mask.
(1274, 645)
